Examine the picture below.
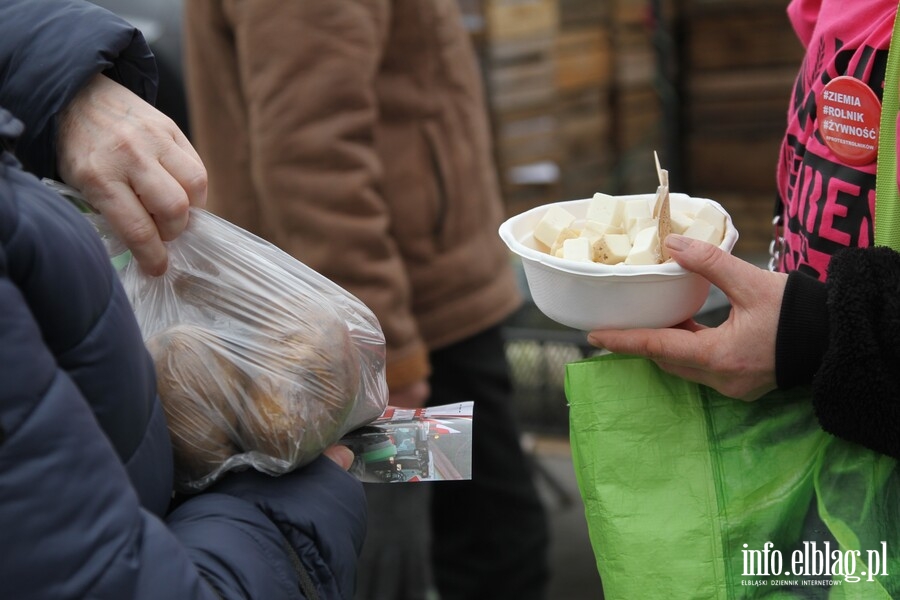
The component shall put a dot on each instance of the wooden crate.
(587, 138)
(733, 163)
(518, 19)
(581, 13)
(527, 136)
(642, 12)
(740, 60)
(521, 73)
(518, 198)
(637, 117)
(583, 58)
(692, 7)
(635, 60)
(631, 12)
(738, 38)
(582, 179)
(585, 125)
(636, 173)
(751, 214)
(585, 128)
(739, 102)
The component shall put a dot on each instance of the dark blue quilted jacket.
(85, 459)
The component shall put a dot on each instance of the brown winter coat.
(352, 134)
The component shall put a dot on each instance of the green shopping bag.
(690, 494)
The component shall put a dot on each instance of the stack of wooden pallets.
(519, 58)
(584, 106)
(581, 92)
(740, 59)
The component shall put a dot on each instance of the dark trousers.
(489, 535)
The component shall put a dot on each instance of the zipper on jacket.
(440, 217)
(306, 583)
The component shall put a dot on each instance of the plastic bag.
(690, 494)
(261, 361)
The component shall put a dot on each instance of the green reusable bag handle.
(887, 195)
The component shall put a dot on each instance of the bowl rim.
(592, 269)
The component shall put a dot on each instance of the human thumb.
(342, 455)
(711, 262)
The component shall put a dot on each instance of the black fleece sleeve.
(802, 331)
(856, 386)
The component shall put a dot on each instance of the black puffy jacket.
(85, 457)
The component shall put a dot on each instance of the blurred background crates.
(582, 92)
(739, 59)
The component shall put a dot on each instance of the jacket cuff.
(802, 336)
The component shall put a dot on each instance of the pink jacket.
(828, 200)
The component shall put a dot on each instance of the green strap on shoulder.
(887, 195)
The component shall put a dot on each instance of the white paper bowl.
(591, 296)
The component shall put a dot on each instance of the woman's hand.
(133, 164)
(737, 358)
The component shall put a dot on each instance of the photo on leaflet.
(409, 445)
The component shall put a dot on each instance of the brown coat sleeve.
(283, 108)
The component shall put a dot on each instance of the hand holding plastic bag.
(260, 360)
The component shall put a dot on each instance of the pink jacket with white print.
(839, 327)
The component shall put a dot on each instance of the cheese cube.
(646, 248)
(635, 210)
(714, 217)
(577, 249)
(566, 234)
(681, 220)
(595, 228)
(639, 225)
(611, 248)
(552, 224)
(606, 209)
(701, 230)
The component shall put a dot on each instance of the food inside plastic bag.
(260, 361)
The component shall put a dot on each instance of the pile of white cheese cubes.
(621, 231)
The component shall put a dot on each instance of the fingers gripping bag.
(260, 361)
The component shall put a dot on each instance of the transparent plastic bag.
(261, 361)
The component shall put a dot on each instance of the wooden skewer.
(661, 210)
(662, 174)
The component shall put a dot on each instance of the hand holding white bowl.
(737, 358)
(590, 295)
